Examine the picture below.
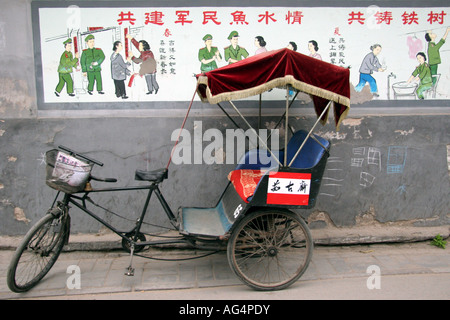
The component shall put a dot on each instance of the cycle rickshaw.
(268, 246)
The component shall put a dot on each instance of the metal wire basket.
(66, 173)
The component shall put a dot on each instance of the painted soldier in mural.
(422, 74)
(434, 57)
(66, 64)
(209, 55)
(91, 60)
(370, 64)
(148, 64)
(234, 52)
(119, 70)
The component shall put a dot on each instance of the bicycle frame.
(80, 202)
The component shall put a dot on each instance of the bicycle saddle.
(151, 176)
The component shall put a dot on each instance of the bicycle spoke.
(271, 250)
(37, 253)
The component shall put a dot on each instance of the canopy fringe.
(275, 83)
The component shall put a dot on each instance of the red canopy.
(257, 74)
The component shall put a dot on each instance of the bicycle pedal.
(129, 272)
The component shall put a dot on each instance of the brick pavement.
(103, 272)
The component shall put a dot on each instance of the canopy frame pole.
(282, 117)
(229, 117)
(309, 133)
(254, 131)
(286, 127)
(259, 117)
(260, 111)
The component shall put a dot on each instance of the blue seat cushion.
(257, 159)
(311, 153)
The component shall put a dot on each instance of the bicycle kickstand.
(130, 270)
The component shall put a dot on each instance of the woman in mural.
(292, 46)
(119, 70)
(147, 62)
(66, 64)
(368, 66)
(422, 73)
(313, 48)
(208, 55)
(260, 44)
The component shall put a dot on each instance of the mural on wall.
(147, 54)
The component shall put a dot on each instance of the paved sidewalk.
(103, 272)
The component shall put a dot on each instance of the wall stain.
(19, 215)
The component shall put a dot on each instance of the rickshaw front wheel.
(270, 249)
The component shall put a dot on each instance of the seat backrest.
(311, 153)
(230, 206)
(257, 159)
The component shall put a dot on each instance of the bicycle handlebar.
(103, 179)
(74, 153)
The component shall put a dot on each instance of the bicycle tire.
(270, 249)
(38, 251)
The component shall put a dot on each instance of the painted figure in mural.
(234, 52)
(119, 70)
(148, 64)
(370, 64)
(422, 73)
(292, 46)
(66, 64)
(434, 57)
(91, 60)
(208, 55)
(313, 47)
(260, 44)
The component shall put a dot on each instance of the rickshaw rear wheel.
(270, 249)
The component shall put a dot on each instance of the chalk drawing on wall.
(333, 177)
(358, 161)
(401, 190)
(396, 159)
(374, 157)
(366, 179)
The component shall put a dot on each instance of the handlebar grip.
(74, 153)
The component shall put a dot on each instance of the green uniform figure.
(208, 55)
(234, 52)
(91, 60)
(66, 64)
(434, 57)
(422, 74)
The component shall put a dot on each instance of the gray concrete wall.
(363, 182)
(17, 75)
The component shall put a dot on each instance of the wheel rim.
(271, 250)
(40, 254)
